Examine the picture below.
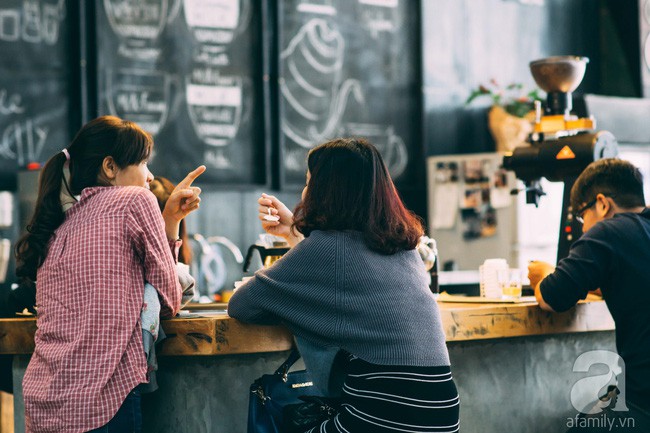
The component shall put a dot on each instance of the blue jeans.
(128, 418)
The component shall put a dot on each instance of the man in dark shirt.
(613, 255)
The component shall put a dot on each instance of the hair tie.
(67, 154)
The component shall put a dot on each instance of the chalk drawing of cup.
(312, 64)
(217, 21)
(379, 17)
(395, 154)
(142, 96)
(215, 104)
(138, 23)
(214, 25)
(390, 145)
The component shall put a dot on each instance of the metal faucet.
(211, 270)
(234, 249)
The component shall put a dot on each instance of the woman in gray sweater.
(353, 284)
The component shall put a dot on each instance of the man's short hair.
(614, 178)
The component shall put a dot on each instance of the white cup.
(489, 283)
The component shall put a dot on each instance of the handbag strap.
(283, 369)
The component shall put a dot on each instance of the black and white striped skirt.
(382, 399)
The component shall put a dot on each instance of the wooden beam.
(222, 335)
(464, 322)
(219, 335)
(17, 335)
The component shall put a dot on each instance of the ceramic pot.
(508, 131)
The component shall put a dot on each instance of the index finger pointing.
(191, 177)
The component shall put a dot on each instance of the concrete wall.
(507, 385)
(520, 385)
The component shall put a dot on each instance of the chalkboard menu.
(349, 68)
(35, 89)
(190, 73)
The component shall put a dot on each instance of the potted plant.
(512, 113)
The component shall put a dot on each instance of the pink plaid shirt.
(90, 289)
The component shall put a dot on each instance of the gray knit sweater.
(335, 292)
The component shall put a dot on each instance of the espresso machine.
(561, 144)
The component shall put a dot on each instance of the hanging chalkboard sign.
(35, 91)
(190, 73)
(349, 68)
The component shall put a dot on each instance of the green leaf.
(475, 94)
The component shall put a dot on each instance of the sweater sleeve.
(248, 301)
(288, 290)
(586, 268)
(253, 301)
(147, 230)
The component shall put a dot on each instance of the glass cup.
(510, 283)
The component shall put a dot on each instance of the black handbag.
(300, 417)
(270, 393)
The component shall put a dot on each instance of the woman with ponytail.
(90, 261)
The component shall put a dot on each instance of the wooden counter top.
(463, 322)
(222, 335)
(219, 335)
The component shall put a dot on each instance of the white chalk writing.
(35, 23)
(23, 141)
(10, 103)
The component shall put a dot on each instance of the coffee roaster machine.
(561, 144)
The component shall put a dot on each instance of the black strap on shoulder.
(286, 365)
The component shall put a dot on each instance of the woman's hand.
(183, 200)
(271, 206)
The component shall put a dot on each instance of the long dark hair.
(162, 188)
(122, 140)
(350, 189)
